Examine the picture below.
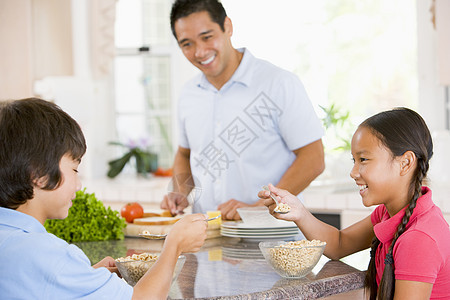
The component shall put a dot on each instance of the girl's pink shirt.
(422, 252)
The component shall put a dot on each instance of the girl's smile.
(377, 172)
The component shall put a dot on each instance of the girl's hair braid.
(370, 282)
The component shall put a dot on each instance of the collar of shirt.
(241, 75)
(16, 219)
(388, 226)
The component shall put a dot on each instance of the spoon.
(266, 188)
(152, 236)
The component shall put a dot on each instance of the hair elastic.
(389, 260)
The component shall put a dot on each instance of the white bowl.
(133, 270)
(291, 262)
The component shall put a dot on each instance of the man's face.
(205, 45)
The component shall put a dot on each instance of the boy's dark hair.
(34, 135)
(400, 130)
(183, 8)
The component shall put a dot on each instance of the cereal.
(283, 207)
(142, 257)
(296, 258)
(133, 267)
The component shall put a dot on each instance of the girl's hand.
(283, 196)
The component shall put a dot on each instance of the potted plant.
(337, 120)
(337, 145)
(145, 161)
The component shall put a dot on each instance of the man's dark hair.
(34, 135)
(183, 8)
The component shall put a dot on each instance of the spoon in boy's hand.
(280, 208)
(151, 236)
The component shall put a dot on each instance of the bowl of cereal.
(293, 259)
(133, 267)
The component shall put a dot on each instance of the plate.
(275, 236)
(241, 230)
(263, 231)
(242, 225)
(292, 232)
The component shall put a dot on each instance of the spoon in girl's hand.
(282, 208)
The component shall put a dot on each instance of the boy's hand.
(109, 263)
(189, 233)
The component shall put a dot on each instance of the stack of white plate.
(239, 229)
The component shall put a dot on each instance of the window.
(143, 76)
(361, 55)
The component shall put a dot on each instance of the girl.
(408, 236)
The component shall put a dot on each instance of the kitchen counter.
(233, 268)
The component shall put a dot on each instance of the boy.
(41, 147)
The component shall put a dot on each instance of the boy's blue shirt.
(35, 264)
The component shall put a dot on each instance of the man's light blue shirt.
(35, 264)
(241, 137)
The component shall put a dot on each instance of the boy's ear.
(40, 182)
(407, 162)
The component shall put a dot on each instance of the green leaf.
(117, 144)
(116, 166)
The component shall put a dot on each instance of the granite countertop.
(233, 268)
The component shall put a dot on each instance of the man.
(244, 122)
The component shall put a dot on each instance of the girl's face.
(377, 172)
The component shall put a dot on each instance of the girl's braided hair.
(400, 130)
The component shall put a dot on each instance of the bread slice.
(157, 213)
(156, 220)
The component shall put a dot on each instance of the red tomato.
(132, 211)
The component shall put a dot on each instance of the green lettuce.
(88, 220)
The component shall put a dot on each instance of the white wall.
(89, 101)
(431, 93)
